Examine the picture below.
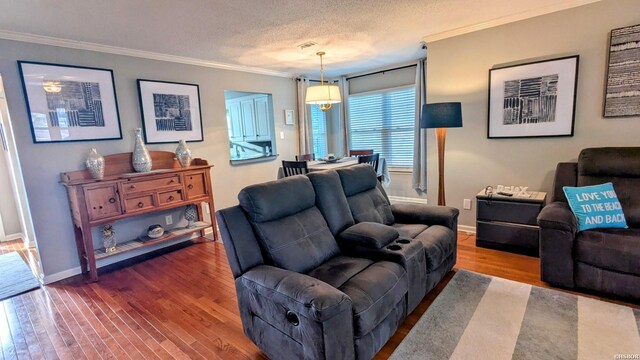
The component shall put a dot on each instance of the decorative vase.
(191, 215)
(95, 164)
(141, 159)
(109, 239)
(183, 154)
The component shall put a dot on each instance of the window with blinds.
(319, 131)
(384, 121)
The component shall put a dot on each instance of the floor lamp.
(441, 116)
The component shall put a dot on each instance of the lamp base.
(441, 135)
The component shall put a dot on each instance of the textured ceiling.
(356, 34)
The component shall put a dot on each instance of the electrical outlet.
(282, 135)
(168, 219)
(466, 204)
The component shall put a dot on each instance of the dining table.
(321, 165)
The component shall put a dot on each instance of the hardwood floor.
(180, 305)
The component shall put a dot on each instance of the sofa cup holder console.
(403, 241)
(394, 247)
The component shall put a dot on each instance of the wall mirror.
(250, 125)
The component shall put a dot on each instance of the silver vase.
(95, 164)
(141, 159)
(183, 154)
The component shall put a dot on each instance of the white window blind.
(319, 131)
(384, 121)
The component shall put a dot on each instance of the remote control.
(504, 193)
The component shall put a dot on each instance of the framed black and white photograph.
(535, 99)
(70, 103)
(622, 98)
(170, 111)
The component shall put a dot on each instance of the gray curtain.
(419, 180)
(344, 116)
(305, 134)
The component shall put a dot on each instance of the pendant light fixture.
(323, 95)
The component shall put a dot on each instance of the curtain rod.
(381, 71)
(312, 80)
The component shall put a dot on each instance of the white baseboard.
(467, 228)
(407, 200)
(12, 237)
(49, 279)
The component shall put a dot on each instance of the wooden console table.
(123, 193)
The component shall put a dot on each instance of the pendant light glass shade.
(323, 95)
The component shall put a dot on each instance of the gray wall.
(42, 163)
(458, 71)
(8, 207)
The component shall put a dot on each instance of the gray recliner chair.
(604, 260)
(365, 201)
(300, 296)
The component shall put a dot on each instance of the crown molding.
(507, 19)
(83, 45)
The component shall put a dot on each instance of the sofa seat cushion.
(612, 249)
(409, 230)
(439, 241)
(374, 293)
(338, 270)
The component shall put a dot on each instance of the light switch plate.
(282, 135)
(168, 219)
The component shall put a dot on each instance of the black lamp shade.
(441, 115)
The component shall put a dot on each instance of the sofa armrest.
(558, 215)
(369, 235)
(558, 228)
(307, 296)
(426, 214)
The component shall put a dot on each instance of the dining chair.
(291, 168)
(370, 159)
(360, 152)
(306, 157)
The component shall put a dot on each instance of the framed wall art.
(622, 96)
(170, 111)
(70, 103)
(535, 99)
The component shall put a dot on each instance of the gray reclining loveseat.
(308, 290)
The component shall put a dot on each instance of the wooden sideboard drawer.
(102, 202)
(196, 184)
(150, 185)
(515, 212)
(139, 203)
(169, 197)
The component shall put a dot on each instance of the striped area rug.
(485, 317)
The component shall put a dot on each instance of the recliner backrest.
(620, 166)
(331, 200)
(365, 196)
(240, 242)
(291, 230)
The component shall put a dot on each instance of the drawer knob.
(112, 200)
(171, 181)
(190, 186)
(132, 187)
(170, 198)
(140, 204)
